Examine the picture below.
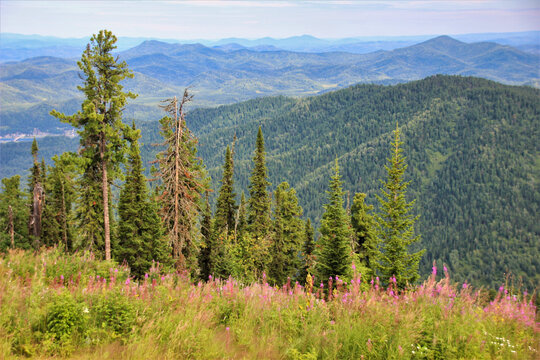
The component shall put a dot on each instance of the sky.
(255, 19)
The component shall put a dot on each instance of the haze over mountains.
(30, 88)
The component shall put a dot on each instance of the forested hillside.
(471, 146)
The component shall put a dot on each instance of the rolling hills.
(471, 145)
(219, 76)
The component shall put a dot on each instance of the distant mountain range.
(16, 47)
(30, 88)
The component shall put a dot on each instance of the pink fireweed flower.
(127, 281)
(146, 276)
(445, 269)
(353, 267)
(465, 285)
(434, 268)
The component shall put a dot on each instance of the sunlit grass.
(52, 304)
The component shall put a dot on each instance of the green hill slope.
(472, 146)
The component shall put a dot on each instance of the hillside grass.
(58, 305)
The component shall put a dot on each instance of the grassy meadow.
(54, 305)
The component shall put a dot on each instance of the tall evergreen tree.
(37, 197)
(308, 252)
(259, 202)
(140, 234)
(205, 254)
(60, 194)
(241, 219)
(102, 144)
(334, 254)
(396, 224)
(183, 180)
(287, 235)
(225, 215)
(13, 215)
(364, 231)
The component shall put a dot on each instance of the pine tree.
(396, 224)
(140, 234)
(241, 220)
(259, 202)
(102, 144)
(308, 252)
(364, 229)
(183, 180)
(13, 215)
(37, 197)
(225, 215)
(287, 235)
(205, 254)
(60, 195)
(334, 254)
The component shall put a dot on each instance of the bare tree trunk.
(11, 227)
(176, 245)
(64, 217)
(37, 210)
(105, 190)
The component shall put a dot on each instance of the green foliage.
(115, 313)
(395, 224)
(206, 260)
(334, 252)
(66, 323)
(287, 237)
(140, 238)
(13, 205)
(225, 216)
(59, 199)
(259, 199)
(364, 232)
(101, 136)
(171, 317)
(308, 259)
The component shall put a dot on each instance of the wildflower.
(445, 269)
(434, 272)
(227, 328)
(85, 310)
(127, 281)
(62, 277)
(465, 285)
(353, 267)
(146, 275)
(501, 289)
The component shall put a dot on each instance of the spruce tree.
(102, 142)
(140, 237)
(225, 215)
(13, 215)
(364, 231)
(396, 224)
(241, 220)
(287, 235)
(205, 254)
(308, 252)
(60, 194)
(259, 202)
(334, 254)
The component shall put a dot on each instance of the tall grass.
(58, 305)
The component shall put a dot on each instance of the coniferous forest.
(375, 221)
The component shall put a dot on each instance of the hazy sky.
(254, 19)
